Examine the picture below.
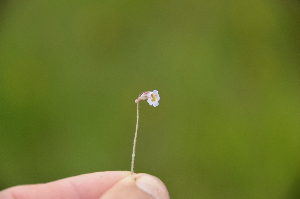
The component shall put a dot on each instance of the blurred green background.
(228, 123)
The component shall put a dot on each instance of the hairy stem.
(135, 136)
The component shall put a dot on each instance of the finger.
(136, 187)
(87, 186)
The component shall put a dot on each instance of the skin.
(100, 185)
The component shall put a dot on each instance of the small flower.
(152, 97)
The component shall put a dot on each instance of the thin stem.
(135, 136)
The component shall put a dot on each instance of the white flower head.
(152, 97)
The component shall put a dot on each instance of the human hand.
(100, 185)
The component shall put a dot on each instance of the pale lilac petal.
(155, 104)
(157, 97)
(149, 101)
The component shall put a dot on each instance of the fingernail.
(152, 185)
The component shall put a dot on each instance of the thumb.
(138, 186)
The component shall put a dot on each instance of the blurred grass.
(227, 72)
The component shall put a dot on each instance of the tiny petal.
(155, 104)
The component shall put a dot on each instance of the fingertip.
(138, 186)
(152, 185)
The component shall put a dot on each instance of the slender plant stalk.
(135, 136)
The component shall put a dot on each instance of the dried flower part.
(152, 97)
(142, 96)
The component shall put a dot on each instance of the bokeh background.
(228, 123)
